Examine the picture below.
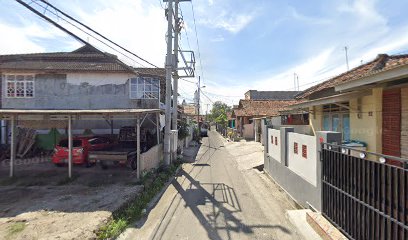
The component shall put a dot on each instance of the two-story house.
(83, 79)
(85, 91)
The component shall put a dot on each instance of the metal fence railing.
(366, 198)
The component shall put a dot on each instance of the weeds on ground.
(15, 228)
(8, 181)
(133, 210)
(67, 180)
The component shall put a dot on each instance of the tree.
(219, 113)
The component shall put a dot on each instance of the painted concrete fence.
(292, 160)
(151, 159)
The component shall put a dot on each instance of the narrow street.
(216, 199)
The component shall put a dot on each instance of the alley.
(216, 199)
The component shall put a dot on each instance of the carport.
(14, 115)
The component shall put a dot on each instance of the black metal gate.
(363, 198)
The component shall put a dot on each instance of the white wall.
(304, 167)
(151, 159)
(274, 150)
(97, 79)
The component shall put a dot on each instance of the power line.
(198, 44)
(207, 97)
(185, 30)
(187, 80)
(95, 32)
(45, 10)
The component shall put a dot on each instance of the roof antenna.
(296, 81)
(346, 50)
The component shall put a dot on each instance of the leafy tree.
(219, 113)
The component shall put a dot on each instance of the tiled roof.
(271, 95)
(382, 63)
(254, 108)
(82, 59)
(161, 72)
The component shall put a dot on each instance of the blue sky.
(244, 45)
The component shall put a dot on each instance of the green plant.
(133, 210)
(15, 228)
(183, 130)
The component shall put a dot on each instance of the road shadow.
(224, 203)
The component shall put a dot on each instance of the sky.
(242, 45)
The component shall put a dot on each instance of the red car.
(80, 149)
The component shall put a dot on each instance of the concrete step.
(323, 227)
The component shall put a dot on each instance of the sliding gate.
(363, 198)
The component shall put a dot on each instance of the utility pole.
(198, 101)
(175, 74)
(346, 50)
(169, 71)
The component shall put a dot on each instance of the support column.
(69, 146)
(175, 75)
(13, 145)
(169, 71)
(138, 146)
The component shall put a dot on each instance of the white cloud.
(16, 41)
(230, 22)
(133, 24)
(218, 39)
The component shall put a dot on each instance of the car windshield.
(64, 143)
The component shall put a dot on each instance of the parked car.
(81, 147)
(204, 130)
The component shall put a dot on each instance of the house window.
(337, 118)
(144, 88)
(19, 86)
(295, 148)
(276, 141)
(272, 139)
(304, 151)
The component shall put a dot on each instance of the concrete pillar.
(3, 132)
(138, 146)
(70, 146)
(284, 144)
(324, 137)
(13, 145)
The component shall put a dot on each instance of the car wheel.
(104, 166)
(133, 163)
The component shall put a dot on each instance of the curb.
(149, 208)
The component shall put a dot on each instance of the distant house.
(368, 103)
(189, 109)
(249, 109)
(270, 95)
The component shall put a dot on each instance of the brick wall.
(1, 89)
(392, 122)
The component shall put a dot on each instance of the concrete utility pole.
(198, 101)
(169, 71)
(175, 75)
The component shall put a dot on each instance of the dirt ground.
(42, 203)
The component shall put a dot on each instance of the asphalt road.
(215, 199)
